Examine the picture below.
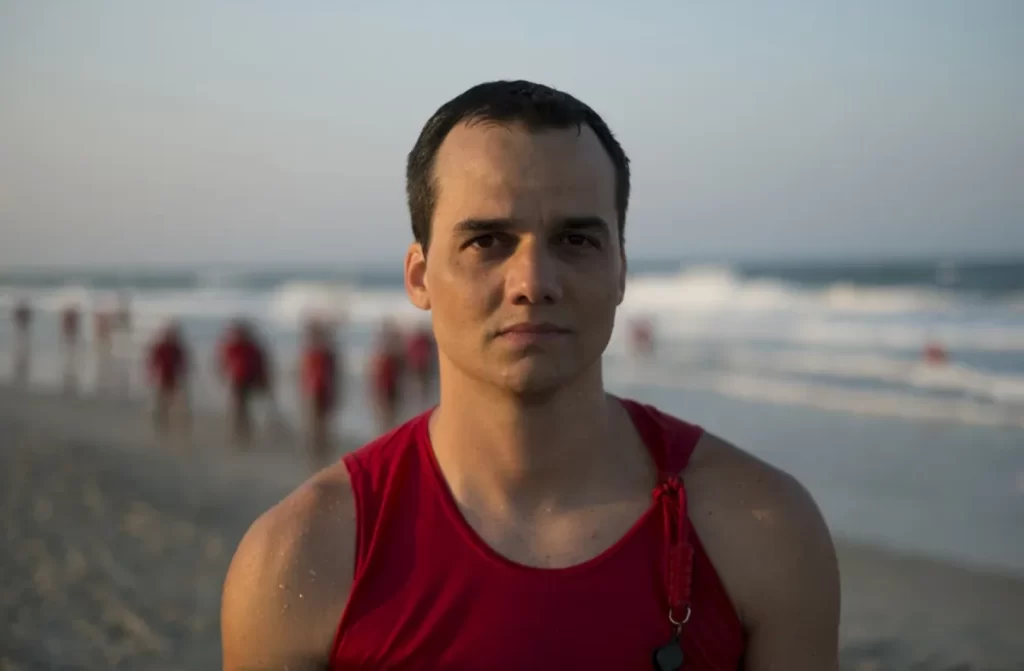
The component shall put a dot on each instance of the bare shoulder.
(290, 578)
(770, 545)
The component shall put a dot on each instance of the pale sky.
(260, 132)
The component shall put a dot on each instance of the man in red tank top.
(385, 375)
(419, 356)
(320, 376)
(167, 365)
(531, 520)
(242, 363)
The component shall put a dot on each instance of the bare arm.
(795, 607)
(774, 553)
(289, 580)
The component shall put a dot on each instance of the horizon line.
(346, 268)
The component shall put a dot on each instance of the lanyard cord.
(679, 560)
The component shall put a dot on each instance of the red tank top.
(318, 371)
(167, 362)
(243, 362)
(429, 593)
(385, 374)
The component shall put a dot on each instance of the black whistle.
(668, 657)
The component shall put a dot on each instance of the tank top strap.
(374, 470)
(367, 506)
(670, 441)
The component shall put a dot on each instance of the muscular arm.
(289, 580)
(794, 609)
(772, 549)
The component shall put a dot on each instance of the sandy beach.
(115, 547)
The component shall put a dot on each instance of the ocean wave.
(704, 301)
(949, 378)
(296, 301)
(822, 396)
(850, 335)
(720, 288)
(285, 305)
(983, 337)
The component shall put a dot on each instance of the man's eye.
(483, 242)
(579, 240)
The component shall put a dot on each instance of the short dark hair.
(537, 106)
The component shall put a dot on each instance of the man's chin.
(535, 384)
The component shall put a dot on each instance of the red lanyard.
(679, 560)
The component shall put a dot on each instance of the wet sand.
(115, 547)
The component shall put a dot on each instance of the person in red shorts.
(102, 321)
(419, 359)
(320, 373)
(22, 317)
(243, 366)
(532, 519)
(167, 364)
(121, 344)
(69, 324)
(386, 375)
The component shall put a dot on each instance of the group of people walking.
(243, 364)
(111, 330)
(400, 363)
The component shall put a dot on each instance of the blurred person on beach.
(532, 520)
(419, 358)
(320, 373)
(22, 318)
(242, 364)
(275, 422)
(167, 364)
(103, 325)
(69, 326)
(386, 368)
(641, 337)
(121, 344)
(123, 313)
(268, 387)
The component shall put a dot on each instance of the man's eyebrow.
(585, 223)
(593, 223)
(483, 225)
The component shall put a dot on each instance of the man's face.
(525, 269)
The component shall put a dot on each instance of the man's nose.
(533, 275)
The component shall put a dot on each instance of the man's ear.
(416, 276)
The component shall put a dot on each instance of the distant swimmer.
(386, 375)
(420, 358)
(243, 366)
(69, 326)
(167, 364)
(22, 318)
(320, 374)
(935, 354)
(641, 337)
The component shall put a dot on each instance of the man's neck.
(503, 452)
